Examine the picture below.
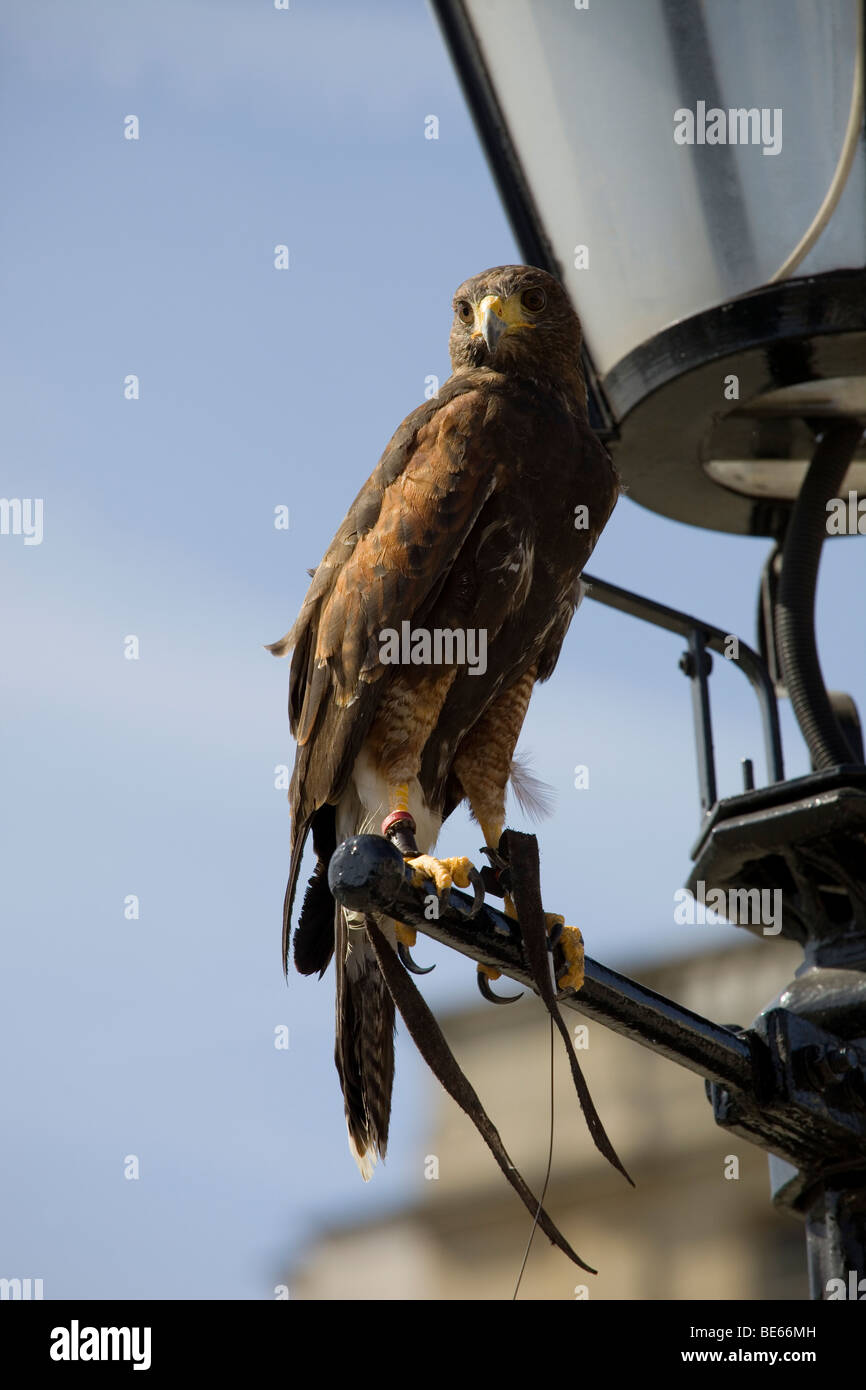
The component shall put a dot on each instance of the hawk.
(476, 522)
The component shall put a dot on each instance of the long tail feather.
(429, 1039)
(364, 1049)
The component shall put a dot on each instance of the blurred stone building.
(686, 1231)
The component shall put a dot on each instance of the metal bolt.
(840, 1061)
(831, 1066)
(687, 664)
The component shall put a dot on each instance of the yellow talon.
(488, 971)
(443, 872)
(571, 942)
(407, 935)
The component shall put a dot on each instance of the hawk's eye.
(464, 309)
(534, 300)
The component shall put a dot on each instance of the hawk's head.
(517, 318)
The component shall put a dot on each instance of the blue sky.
(155, 777)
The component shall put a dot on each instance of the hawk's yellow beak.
(494, 317)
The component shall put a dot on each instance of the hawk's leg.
(571, 942)
(483, 766)
(399, 826)
(405, 720)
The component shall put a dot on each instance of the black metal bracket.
(804, 843)
(807, 1103)
(703, 638)
(805, 838)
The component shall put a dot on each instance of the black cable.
(546, 1176)
(795, 605)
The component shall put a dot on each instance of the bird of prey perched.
(476, 523)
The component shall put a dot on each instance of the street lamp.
(696, 176)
